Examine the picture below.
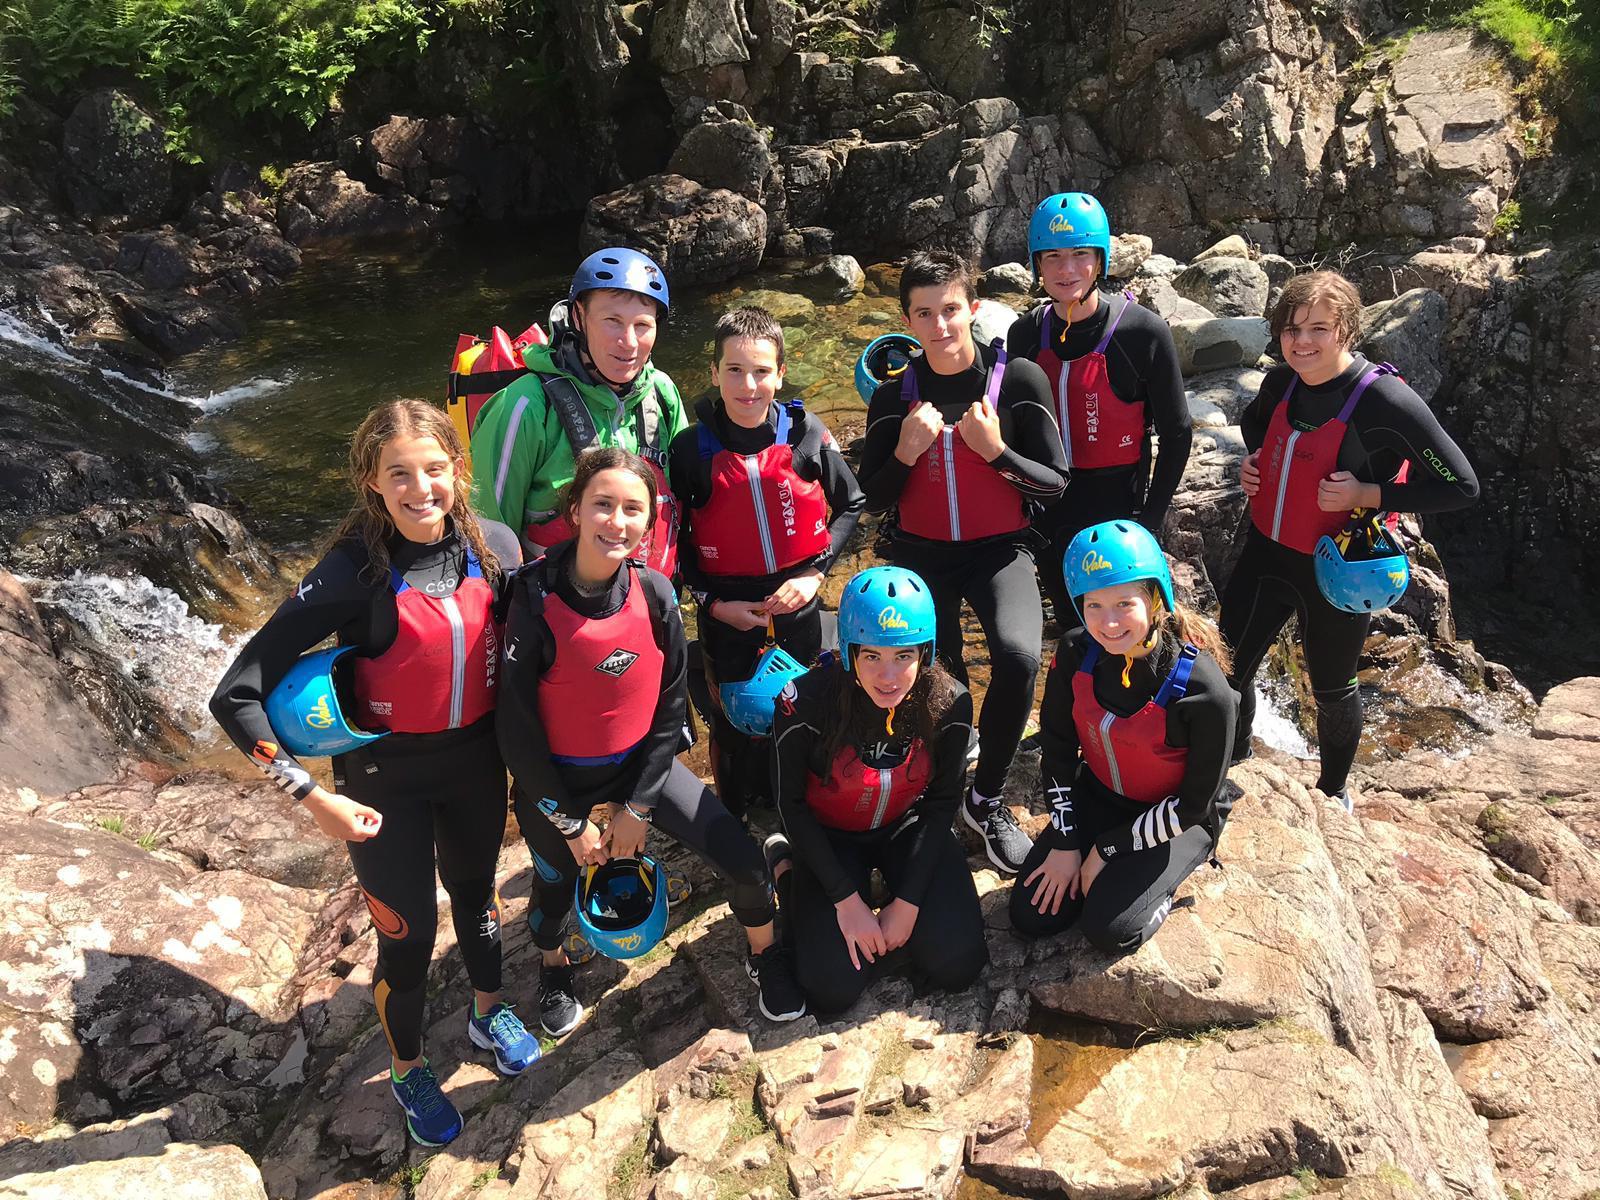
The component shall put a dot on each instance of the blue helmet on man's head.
(1067, 220)
(1365, 569)
(623, 269)
(622, 906)
(884, 358)
(304, 709)
(885, 606)
(1114, 552)
(748, 704)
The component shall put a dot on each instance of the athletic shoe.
(559, 1010)
(431, 1119)
(515, 1049)
(1003, 840)
(1343, 799)
(780, 998)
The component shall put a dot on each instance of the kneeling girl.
(591, 712)
(1136, 731)
(870, 759)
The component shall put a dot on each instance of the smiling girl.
(591, 712)
(1136, 730)
(410, 583)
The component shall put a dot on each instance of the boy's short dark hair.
(753, 322)
(936, 268)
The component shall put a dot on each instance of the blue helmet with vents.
(1067, 220)
(1114, 552)
(885, 606)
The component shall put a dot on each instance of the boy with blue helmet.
(870, 758)
(1114, 379)
(1136, 733)
(592, 385)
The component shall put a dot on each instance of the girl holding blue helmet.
(1114, 378)
(1136, 732)
(1330, 435)
(411, 589)
(870, 760)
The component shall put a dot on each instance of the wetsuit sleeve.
(1169, 410)
(1257, 415)
(1396, 424)
(1202, 721)
(1034, 461)
(1026, 335)
(683, 474)
(794, 737)
(507, 449)
(845, 501)
(328, 599)
(528, 655)
(1058, 742)
(936, 809)
(883, 476)
(666, 731)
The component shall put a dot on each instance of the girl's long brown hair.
(1187, 625)
(368, 520)
(852, 719)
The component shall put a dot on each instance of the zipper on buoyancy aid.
(1283, 481)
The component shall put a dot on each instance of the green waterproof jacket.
(521, 459)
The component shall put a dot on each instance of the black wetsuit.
(740, 763)
(1142, 366)
(1149, 849)
(994, 575)
(1389, 426)
(549, 793)
(441, 794)
(918, 854)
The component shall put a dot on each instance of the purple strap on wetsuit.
(1362, 385)
(1116, 310)
(911, 393)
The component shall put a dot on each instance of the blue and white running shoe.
(515, 1049)
(430, 1117)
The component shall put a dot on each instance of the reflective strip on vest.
(947, 448)
(752, 468)
(1111, 753)
(1283, 483)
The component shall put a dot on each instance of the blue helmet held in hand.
(622, 906)
(304, 709)
(1111, 553)
(884, 358)
(1363, 570)
(885, 606)
(623, 269)
(1067, 220)
(749, 705)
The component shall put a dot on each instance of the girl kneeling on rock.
(409, 588)
(870, 761)
(1136, 732)
(591, 713)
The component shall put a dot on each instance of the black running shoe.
(559, 1010)
(1003, 840)
(781, 998)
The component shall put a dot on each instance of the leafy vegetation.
(1559, 39)
(265, 66)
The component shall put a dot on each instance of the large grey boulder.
(319, 201)
(1218, 343)
(726, 150)
(697, 234)
(1408, 332)
(116, 159)
(1229, 287)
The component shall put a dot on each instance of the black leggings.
(688, 812)
(946, 945)
(997, 580)
(1269, 583)
(1103, 494)
(444, 795)
(741, 764)
(1131, 896)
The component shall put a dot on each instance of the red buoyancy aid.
(442, 670)
(761, 516)
(598, 699)
(862, 797)
(1098, 427)
(952, 494)
(480, 367)
(1292, 462)
(1130, 755)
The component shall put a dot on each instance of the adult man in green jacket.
(593, 385)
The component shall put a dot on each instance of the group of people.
(523, 617)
